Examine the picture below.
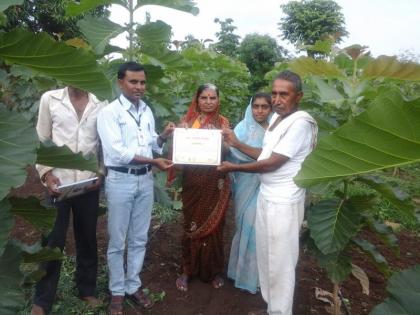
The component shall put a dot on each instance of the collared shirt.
(58, 121)
(294, 137)
(126, 131)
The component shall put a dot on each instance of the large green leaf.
(337, 265)
(385, 233)
(374, 254)
(385, 135)
(154, 33)
(327, 93)
(62, 157)
(390, 67)
(395, 195)
(6, 223)
(72, 66)
(78, 7)
(181, 5)
(98, 31)
(307, 66)
(18, 141)
(7, 3)
(12, 297)
(36, 253)
(32, 211)
(332, 224)
(404, 292)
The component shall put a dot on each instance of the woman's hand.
(229, 137)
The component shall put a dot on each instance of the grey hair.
(292, 77)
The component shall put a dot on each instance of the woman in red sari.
(205, 197)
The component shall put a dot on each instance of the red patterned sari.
(205, 197)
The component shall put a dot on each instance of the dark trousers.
(85, 214)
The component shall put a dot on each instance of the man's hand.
(163, 164)
(52, 183)
(169, 129)
(96, 185)
(229, 137)
(226, 167)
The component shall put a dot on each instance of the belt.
(134, 171)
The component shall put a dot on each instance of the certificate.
(197, 146)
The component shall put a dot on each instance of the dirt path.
(162, 266)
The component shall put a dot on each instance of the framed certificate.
(75, 189)
(197, 146)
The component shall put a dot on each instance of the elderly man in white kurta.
(288, 140)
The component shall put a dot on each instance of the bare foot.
(217, 282)
(182, 283)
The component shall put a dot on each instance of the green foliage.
(403, 289)
(260, 53)
(67, 300)
(374, 254)
(33, 212)
(228, 41)
(175, 91)
(7, 221)
(18, 141)
(11, 295)
(41, 53)
(368, 125)
(21, 89)
(62, 157)
(187, 6)
(333, 223)
(7, 3)
(154, 37)
(98, 32)
(381, 137)
(47, 16)
(308, 21)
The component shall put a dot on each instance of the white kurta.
(280, 210)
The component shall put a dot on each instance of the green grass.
(67, 301)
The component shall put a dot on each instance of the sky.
(388, 27)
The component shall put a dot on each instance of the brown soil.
(162, 266)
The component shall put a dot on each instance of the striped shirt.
(126, 132)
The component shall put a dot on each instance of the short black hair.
(292, 77)
(264, 95)
(129, 66)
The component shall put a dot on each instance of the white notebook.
(75, 189)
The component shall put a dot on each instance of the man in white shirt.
(288, 140)
(127, 131)
(68, 117)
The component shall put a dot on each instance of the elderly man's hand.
(226, 167)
